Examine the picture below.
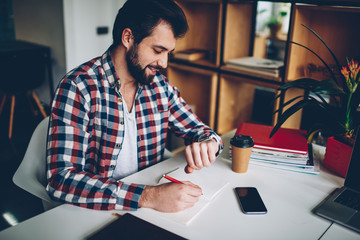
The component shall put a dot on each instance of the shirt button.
(112, 166)
(120, 100)
(118, 145)
(122, 123)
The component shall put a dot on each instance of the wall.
(81, 19)
(68, 27)
(41, 21)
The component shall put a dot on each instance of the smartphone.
(250, 200)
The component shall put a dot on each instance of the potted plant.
(340, 114)
(275, 23)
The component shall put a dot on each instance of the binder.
(129, 226)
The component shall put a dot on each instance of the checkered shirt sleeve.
(86, 134)
(79, 147)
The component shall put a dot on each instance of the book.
(284, 140)
(249, 70)
(293, 162)
(253, 72)
(258, 67)
(211, 183)
(311, 166)
(287, 149)
(280, 155)
(129, 226)
(268, 65)
(190, 54)
(310, 170)
(300, 161)
(307, 165)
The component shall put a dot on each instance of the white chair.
(31, 174)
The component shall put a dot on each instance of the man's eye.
(156, 51)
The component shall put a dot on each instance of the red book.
(285, 139)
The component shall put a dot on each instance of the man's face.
(151, 54)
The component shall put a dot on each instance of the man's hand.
(170, 197)
(200, 154)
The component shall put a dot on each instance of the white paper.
(211, 183)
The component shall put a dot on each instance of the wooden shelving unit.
(205, 22)
(224, 97)
(238, 34)
(198, 87)
(336, 25)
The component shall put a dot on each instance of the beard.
(135, 68)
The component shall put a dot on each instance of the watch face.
(204, 138)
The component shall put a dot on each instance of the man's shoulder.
(89, 69)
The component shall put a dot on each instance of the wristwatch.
(204, 138)
(207, 138)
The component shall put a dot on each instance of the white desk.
(337, 232)
(289, 197)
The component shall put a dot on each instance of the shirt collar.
(110, 72)
(109, 69)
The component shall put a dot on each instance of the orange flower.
(345, 72)
(354, 69)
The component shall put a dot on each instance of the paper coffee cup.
(241, 147)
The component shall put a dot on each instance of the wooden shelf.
(337, 26)
(256, 75)
(201, 63)
(236, 98)
(204, 20)
(238, 30)
(198, 88)
(223, 96)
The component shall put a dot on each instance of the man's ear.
(127, 38)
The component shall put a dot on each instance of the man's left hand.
(200, 154)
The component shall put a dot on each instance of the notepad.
(211, 183)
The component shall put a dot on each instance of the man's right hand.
(170, 197)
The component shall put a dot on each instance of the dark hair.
(142, 16)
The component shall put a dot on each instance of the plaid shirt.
(86, 133)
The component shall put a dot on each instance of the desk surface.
(289, 197)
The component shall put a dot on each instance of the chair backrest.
(31, 174)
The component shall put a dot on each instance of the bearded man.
(110, 117)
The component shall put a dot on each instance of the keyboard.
(350, 199)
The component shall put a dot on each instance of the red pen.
(172, 179)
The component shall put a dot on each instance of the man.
(110, 118)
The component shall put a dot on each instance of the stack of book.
(191, 54)
(287, 149)
(256, 66)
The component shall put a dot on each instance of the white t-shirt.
(127, 162)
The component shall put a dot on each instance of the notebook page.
(206, 178)
(211, 183)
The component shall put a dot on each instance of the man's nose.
(163, 60)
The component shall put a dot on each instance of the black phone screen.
(250, 200)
